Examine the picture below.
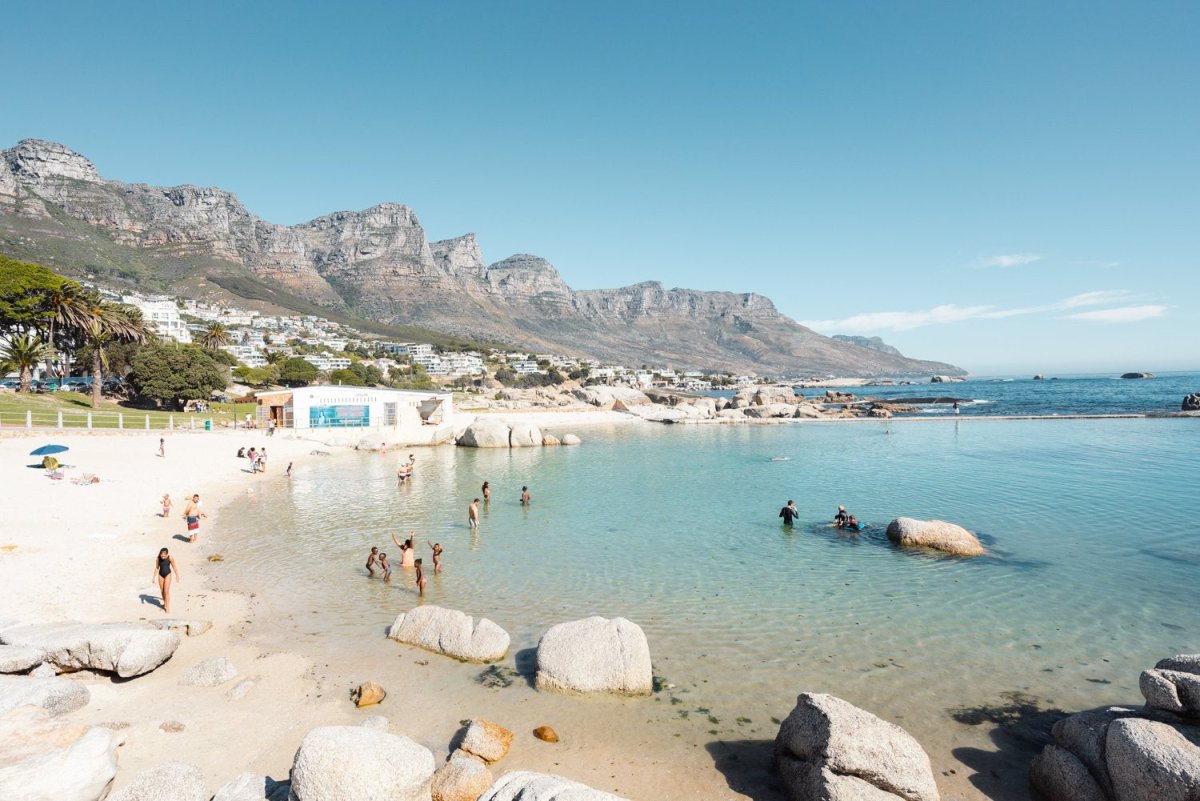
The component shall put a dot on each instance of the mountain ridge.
(378, 264)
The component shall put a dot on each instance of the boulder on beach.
(828, 748)
(42, 758)
(937, 535)
(1173, 685)
(485, 432)
(351, 762)
(54, 694)
(450, 632)
(462, 778)
(605, 397)
(252, 787)
(486, 740)
(525, 785)
(172, 781)
(211, 672)
(524, 435)
(19, 658)
(127, 649)
(571, 439)
(595, 655)
(549, 440)
(1150, 760)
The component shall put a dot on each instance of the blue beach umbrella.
(48, 450)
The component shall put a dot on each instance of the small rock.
(450, 632)
(368, 694)
(375, 722)
(216, 557)
(210, 672)
(546, 734)
(172, 726)
(174, 781)
(549, 440)
(936, 535)
(486, 740)
(571, 439)
(240, 689)
(462, 778)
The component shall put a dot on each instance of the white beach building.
(163, 315)
(340, 414)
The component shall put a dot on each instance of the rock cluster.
(450, 632)
(41, 758)
(1191, 403)
(595, 655)
(491, 432)
(937, 535)
(828, 749)
(466, 776)
(1125, 754)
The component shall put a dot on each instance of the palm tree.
(275, 356)
(22, 353)
(215, 336)
(67, 306)
(107, 322)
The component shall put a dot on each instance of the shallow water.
(1092, 527)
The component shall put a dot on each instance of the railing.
(85, 419)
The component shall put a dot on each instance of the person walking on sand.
(164, 569)
(288, 472)
(162, 446)
(789, 513)
(526, 498)
(408, 552)
(437, 557)
(420, 578)
(252, 456)
(192, 514)
(166, 506)
(372, 560)
(486, 491)
(473, 514)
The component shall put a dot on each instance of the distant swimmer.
(473, 514)
(525, 496)
(781, 458)
(789, 513)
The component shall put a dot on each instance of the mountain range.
(377, 266)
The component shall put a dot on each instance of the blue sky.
(1012, 187)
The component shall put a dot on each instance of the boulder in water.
(1137, 375)
(937, 535)
(524, 435)
(1191, 403)
(485, 433)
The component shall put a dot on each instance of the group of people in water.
(843, 519)
(378, 563)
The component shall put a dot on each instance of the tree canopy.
(171, 374)
(25, 292)
(297, 372)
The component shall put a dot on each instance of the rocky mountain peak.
(459, 256)
(35, 160)
(527, 275)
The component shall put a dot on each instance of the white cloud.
(1121, 314)
(951, 313)
(1009, 260)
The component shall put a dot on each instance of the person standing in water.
(420, 577)
(525, 496)
(789, 513)
(164, 569)
(486, 492)
(473, 514)
(386, 566)
(407, 551)
(372, 559)
(192, 514)
(288, 473)
(437, 557)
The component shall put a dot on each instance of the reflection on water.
(1094, 558)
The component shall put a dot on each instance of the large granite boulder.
(485, 432)
(127, 649)
(450, 632)
(173, 781)
(54, 694)
(211, 672)
(525, 785)
(571, 439)
(595, 655)
(1059, 774)
(937, 535)
(462, 778)
(1191, 403)
(1173, 685)
(606, 397)
(252, 787)
(1153, 761)
(47, 760)
(765, 396)
(768, 410)
(352, 763)
(19, 658)
(828, 749)
(524, 435)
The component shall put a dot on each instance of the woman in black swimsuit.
(164, 569)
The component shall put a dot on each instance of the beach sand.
(86, 553)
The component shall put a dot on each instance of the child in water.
(420, 577)
(386, 565)
(437, 557)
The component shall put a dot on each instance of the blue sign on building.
(339, 416)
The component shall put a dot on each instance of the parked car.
(11, 383)
(78, 384)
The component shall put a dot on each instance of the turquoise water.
(1093, 528)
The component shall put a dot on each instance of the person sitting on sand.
(164, 569)
(408, 553)
(789, 513)
(241, 453)
(526, 498)
(372, 559)
(385, 566)
(166, 505)
(420, 577)
(841, 517)
(437, 557)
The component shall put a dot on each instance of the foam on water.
(1091, 577)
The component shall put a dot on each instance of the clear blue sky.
(1012, 187)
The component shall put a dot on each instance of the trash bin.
(208, 425)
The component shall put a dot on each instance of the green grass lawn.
(75, 407)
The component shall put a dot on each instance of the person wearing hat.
(841, 518)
